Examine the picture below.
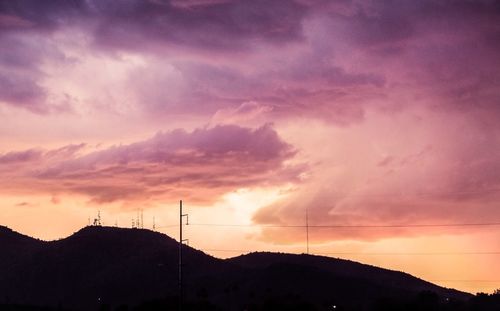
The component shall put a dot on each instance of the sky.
(379, 120)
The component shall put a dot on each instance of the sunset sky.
(379, 116)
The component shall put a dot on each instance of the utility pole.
(307, 229)
(181, 242)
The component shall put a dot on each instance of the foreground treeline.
(424, 301)
(429, 301)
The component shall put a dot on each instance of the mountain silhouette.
(118, 266)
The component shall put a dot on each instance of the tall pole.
(181, 242)
(307, 229)
(180, 256)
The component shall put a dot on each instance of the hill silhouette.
(99, 266)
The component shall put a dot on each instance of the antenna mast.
(97, 221)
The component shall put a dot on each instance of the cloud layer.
(329, 59)
(393, 105)
(404, 169)
(199, 165)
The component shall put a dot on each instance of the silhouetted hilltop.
(97, 265)
(12, 239)
(343, 268)
(333, 281)
(15, 247)
(107, 265)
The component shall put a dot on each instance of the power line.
(413, 253)
(362, 253)
(307, 226)
(478, 224)
(236, 250)
(391, 254)
(470, 281)
(166, 226)
(421, 194)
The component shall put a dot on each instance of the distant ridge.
(15, 247)
(98, 265)
(8, 234)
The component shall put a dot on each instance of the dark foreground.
(424, 301)
(104, 268)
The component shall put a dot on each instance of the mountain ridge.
(127, 266)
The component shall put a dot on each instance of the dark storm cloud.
(39, 15)
(327, 59)
(217, 25)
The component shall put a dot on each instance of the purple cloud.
(212, 25)
(20, 156)
(331, 60)
(210, 160)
